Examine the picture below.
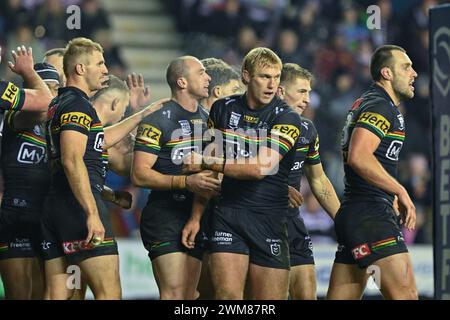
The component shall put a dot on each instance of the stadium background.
(330, 38)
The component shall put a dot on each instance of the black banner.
(440, 105)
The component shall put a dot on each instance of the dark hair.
(381, 58)
(220, 74)
(292, 71)
(114, 83)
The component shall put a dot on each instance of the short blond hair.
(260, 57)
(76, 50)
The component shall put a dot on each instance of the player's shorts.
(161, 228)
(262, 237)
(300, 244)
(367, 232)
(19, 234)
(64, 230)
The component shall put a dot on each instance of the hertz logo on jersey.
(287, 131)
(376, 121)
(149, 134)
(10, 93)
(77, 118)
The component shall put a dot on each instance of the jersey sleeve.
(284, 132)
(77, 117)
(313, 154)
(149, 137)
(11, 97)
(377, 118)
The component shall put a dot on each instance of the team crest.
(234, 120)
(185, 127)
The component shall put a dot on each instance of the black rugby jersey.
(306, 152)
(171, 133)
(72, 110)
(25, 167)
(11, 97)
(376, 112)
(243, 131)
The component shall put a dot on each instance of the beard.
(403, 92)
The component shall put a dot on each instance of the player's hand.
(295, 198)
(139, 93)
(123, 199)
(155, 106)
(203, 183)
(190, 230)
(0, 54)
(407, 210)
(96, 231)
(395, 205)
(192, 162)
(23, 61)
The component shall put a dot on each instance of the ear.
(386, 73)
(216, 91)
(79, 68)
(280, 92)
(182, 83)
(114, 104)
(245, 77)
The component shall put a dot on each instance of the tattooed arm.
(322, 188)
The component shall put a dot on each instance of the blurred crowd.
(329, 37)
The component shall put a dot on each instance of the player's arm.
(322, 188)
(73, 146)
(121, 198)
(278, 143)
(361, 158)
(38, 96)
(117, 132)
(120, 157)
(142, 175)
(192, 226)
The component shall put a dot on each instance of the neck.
(387, 86)
(252, 103)
(208, 102)
(188, 102)
(79, 84)
(100, 108)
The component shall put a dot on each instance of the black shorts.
(19, 234)
(64, 230)
(300, 244)
(161, 231)
(367, 232)
(263, 237)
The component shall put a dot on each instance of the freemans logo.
(287, 131)
(10, 93)
(149, 134)
(375, 120)
(77, 118)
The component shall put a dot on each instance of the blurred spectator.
(114, 61)
(288, 49)
(93, 18)
(51, 16)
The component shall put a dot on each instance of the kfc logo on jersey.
(234, 120)
(394, 150)
(76, 246)
(361, 251)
